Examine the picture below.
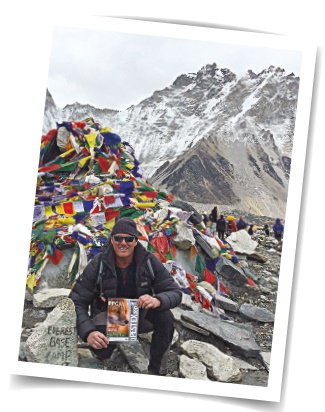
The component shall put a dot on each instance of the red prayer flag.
(208, 276)
(250, 281)
(103, 164)
(49, 168)
(56, 257)
(111, 214)
(223, 289)
(68, 208)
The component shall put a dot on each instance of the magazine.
(122, 320)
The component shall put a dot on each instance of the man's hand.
(148, 302)
(97, 340)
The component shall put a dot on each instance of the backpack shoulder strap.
(149, 266)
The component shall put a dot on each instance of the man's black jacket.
(152, 278)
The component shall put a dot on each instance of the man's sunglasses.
(119, 239)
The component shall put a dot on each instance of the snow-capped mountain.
(209, 137)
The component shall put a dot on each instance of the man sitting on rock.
(125, 269)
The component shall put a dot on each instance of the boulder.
(256, 313)
(55, 340)
(227, 269)
(49, 298)
(192, 368)
(184, 238)
(219, 366)
(241, 242)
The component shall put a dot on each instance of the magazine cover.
(122, 320)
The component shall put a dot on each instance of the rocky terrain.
(194, 324)
(265, 275)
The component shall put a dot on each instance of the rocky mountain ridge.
(227, 140)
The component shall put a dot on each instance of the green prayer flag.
(199, 264)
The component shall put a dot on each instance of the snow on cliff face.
(258, 111)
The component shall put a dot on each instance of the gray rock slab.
(266, 358)
(230, 271)
(236, 335)
(225, 303)
(55, 340)
(256, 313)
(257, 257)
(204, 245)
(194, 328)
(177, 312)
(135, 356)
(49, 298)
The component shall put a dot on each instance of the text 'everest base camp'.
(208, 139)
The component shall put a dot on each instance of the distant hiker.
(231, 225)
(241, 224)
(221, 227)
(278, 229)
(250, 230)
(266, 230)
(205, 218)
(213, 218)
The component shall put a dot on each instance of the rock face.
(55, 340)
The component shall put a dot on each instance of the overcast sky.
(116, 70)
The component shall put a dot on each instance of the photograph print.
(177, 143)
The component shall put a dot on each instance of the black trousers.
(221, 234)
(162, 325)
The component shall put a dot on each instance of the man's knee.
(163, 319)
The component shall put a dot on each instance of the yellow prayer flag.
(109, 224)
(193, 252)
(145, 205)
(59, 209)
(67, 152)
(66, 220)
(31, 282)
(83, 161)
(91, 139)
(48, 211)
(105, 129)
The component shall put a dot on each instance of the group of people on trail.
(225, 226)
